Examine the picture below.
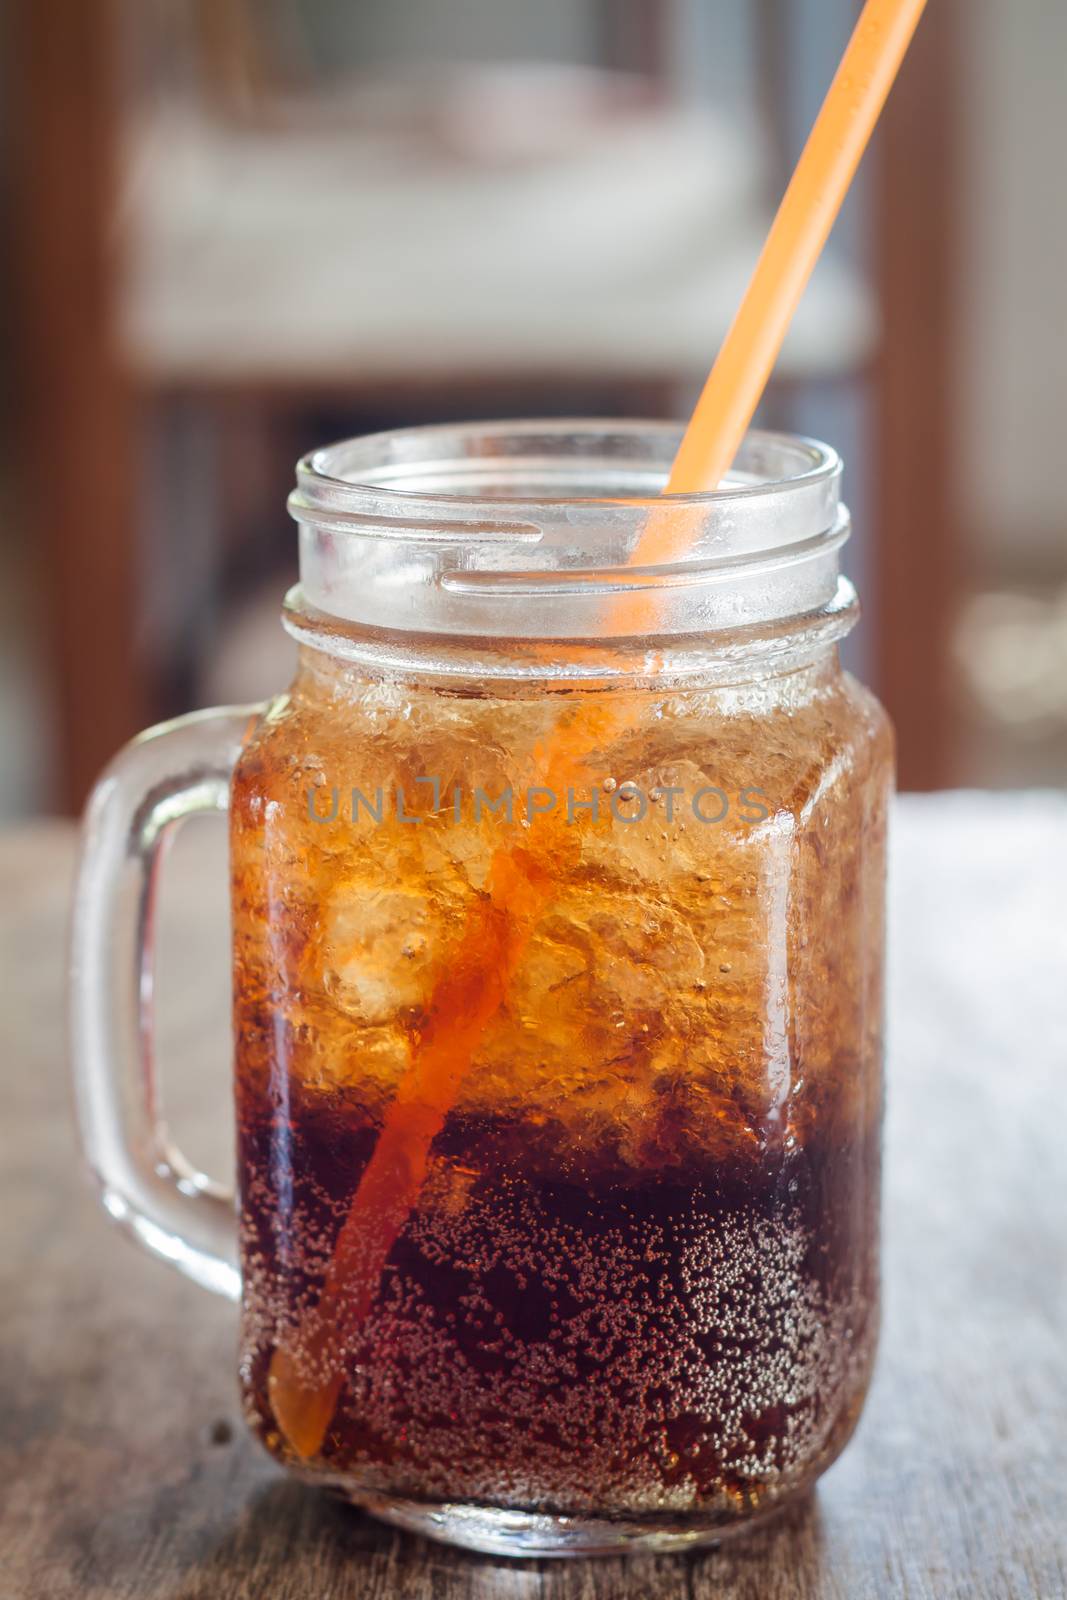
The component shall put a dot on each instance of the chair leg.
(917, 549)
(75, 401)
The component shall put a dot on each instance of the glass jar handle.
(165, 775)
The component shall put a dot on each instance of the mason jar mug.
(557, 889)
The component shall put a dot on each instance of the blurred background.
(233, 229)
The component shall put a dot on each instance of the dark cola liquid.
(632, 1270)
(571, 1341)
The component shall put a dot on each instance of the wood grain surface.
(124, 1467)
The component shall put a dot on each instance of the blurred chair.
(201, 262)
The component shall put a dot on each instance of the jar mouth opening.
(588, 462)
(553, 530)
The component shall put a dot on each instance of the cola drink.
(637, 1276)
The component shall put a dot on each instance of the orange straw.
(304, 1382)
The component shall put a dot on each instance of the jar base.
(533, 1535)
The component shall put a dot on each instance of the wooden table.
(124, 1466)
